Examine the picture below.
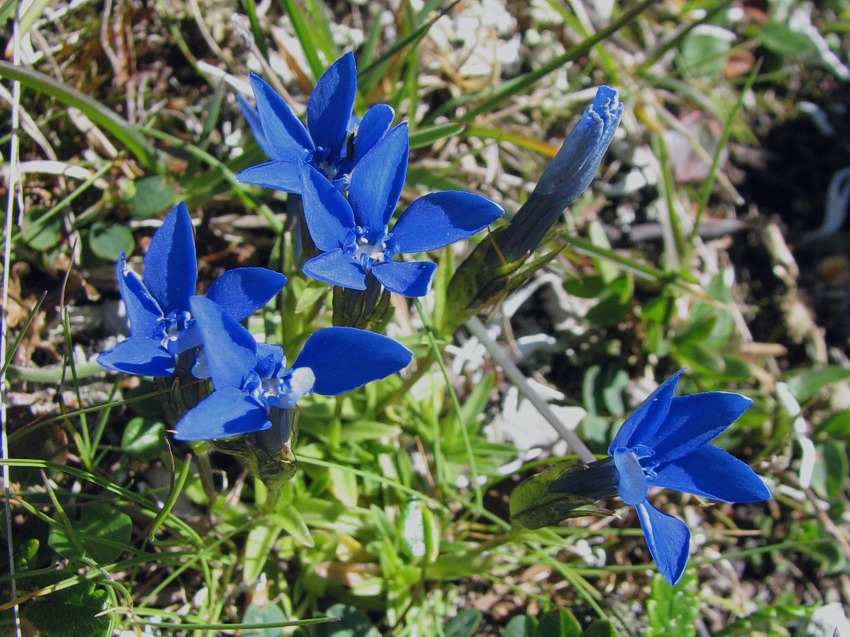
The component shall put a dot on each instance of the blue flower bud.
(566, 177)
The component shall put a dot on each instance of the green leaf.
(109, 240)
(588, 287)
(672, 611)
(837, 467)
(40, 235)
(808, 384)
(558, 623)
(601, 628)
(706, 48)
(103, 531)
(352, 623)
(266, 613)
(420, 532)
(290, 520)
(464, 624)
(521, 626)
(361, 430)
(144, 438)
(122, 130)
(836, 426)
(152, 196)
(701, 358)
(781, 39)
(70, 612)
(608, 312)
(258, 546)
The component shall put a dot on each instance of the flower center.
(171, 326)
(368, 251)
(288, 389)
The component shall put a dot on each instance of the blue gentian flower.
(333, 142)
(252, 384)
(566, 177)
(664, 443)
(161, 323)
(353, 234)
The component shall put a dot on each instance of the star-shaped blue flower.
(334, 140)
(664, 443)
(353, 234)
(161, 322)
(252, 383)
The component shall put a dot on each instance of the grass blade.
(522, 83)
(122, 130)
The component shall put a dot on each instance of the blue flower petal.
(171, 268)
(252, 116)
(712, 473)
(631, 485)
(229, 348)
(645, 420)
(286, 137)
(408, 279)
(330, 104)
(187, 339)
(243, 291)
(224, 413)
(345, 358)
(442, 218)
(372, 128)
(693, 421)
(668, 540)
(138, 355)
(327, 212)
(143, 312)
(377, 180)
(335, 267)
(283, 174)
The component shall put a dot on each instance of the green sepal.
(478, 285)
(566, 489)
(369, 309)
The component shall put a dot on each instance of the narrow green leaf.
(420, 532)
(837, 467)
(425, 137)
(601, 628)
(306, 37)
(672, 611)
(808, 384)
(518, 85)
(836, 426)
(290, 520)
(122, 130)
(258, 547)
(782, 39)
